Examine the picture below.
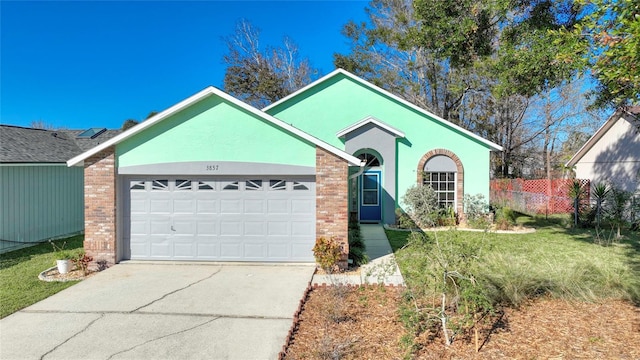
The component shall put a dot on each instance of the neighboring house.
(612, 154)
(212, 178)
(40, 197)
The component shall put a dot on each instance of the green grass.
(555, 260)
(19, 283)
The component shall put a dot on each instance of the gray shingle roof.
(28, 145)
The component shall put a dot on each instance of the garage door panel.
(183, 225)
(140, 248)
(303, 228)
(278, 251)
(254, 228)
(207, 206)
(160, 227)
(230, 228)
(254, 206)
(278, 206)
(206, 227)
(139, 206)
(184, 247)
(230, 249)
(227, 220)
(278, 228)
(139, 227)
(160, 247)
(230, 206)
(160, 206)
(254, 251)
(184, 206)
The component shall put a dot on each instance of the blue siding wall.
(39, 203)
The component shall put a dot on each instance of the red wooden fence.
(539, 196)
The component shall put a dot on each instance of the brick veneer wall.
(100, 207)
(332, 210)
(459, 175)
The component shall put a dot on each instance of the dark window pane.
(370, 197)
(370, 182)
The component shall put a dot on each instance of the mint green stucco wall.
(339, 102)
(214, 130)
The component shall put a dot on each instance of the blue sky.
(95, 64)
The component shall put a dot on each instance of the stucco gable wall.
(340, 102)
(614, 158)
(211, 130)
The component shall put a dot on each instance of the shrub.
(327, 253)
(477, 211)
(447, 217)
(505, 218)
(618, 208)
(437, 266)
(82, 261)
(404, 221)
(422, 205)
(357, 246)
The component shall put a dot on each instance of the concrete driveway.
(162, 311)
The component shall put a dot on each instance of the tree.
(41, 124)
(262, 76)
(129, 123)
(605, 42)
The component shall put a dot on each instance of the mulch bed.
(364, 324)
(345, 322)
(52, 274)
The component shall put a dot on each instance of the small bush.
(422, 205)
(404, 221)
(327, 253)
(477, 211)
(447, 217)
(505, 218)
(357, 247)
(82, 261)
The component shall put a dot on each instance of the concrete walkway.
(162, 311)
(382, 267)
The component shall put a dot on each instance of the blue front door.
(370, 199)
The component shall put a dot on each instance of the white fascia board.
(370, 120)
(491, 144)
(195, 98)
(593, 139)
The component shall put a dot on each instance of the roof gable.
(194, 99)
(370, 120)
(626, 114)
(324, 81)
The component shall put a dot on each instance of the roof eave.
(370, 120)
(198, 97)
(593, 139)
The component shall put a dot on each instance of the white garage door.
(248, 219)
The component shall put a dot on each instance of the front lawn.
(555, 260)
(19, 283)
(469, 276)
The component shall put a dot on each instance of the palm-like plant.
(576, 191)
(600, 193)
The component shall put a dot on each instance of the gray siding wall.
(39, 203)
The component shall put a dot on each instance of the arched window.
(371, 159)
(440, 173)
